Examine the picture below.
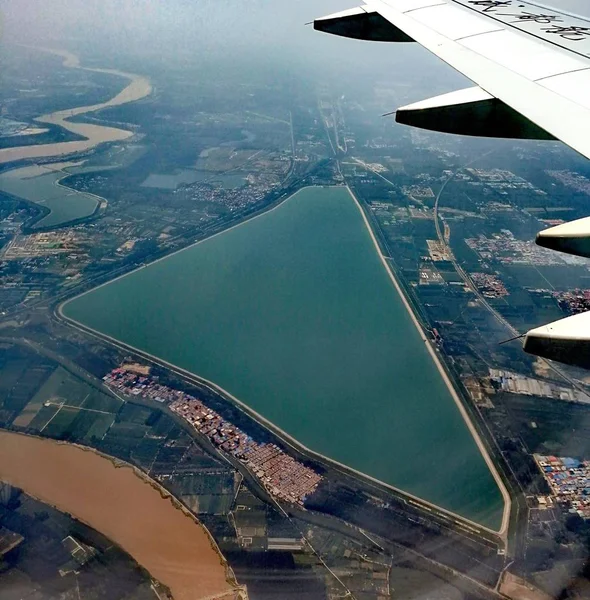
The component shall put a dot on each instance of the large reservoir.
(295, 314)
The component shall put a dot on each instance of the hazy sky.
(160, 23)
(244, 30)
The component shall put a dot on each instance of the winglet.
(361, 23)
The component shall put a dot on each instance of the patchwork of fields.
(53, 402)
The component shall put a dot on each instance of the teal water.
(295, 314)
(65, 204)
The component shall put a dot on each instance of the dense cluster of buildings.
(502, 180)
(514, 383)
(40, 244)
(375, 167)
(490, 286)
(569, 480)
(572, 180)
(32, 265)
(505, 248)
(574, 301)
(418, 191)
(281, 474)
(284, 477)
(215, 192)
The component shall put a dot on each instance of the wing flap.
(454, 23)
(527, 57)
(575, 86)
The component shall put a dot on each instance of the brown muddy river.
(139, 87)
(119, 503)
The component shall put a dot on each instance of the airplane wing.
(531, 68)
(531, 64)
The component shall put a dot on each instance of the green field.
(66, 406)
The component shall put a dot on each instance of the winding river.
(139, 87)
